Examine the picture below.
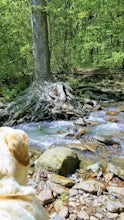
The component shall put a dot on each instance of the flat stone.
(64, 181)
(57, 188)
(106, 139)
(117, 170)
(90, 186)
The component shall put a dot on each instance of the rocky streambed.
(77, 167)
(94, 190)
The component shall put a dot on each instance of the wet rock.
(112, 113)
(91, 146)
(112, 119)
(64, 181)
(90, 186)
(106, 139)
(60, 160)
(118, 171)
(121, 108)
(79, 146)
(81, 132)
(80, 121)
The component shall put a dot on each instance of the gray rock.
(118, 171)
(116, 190)
(106, 139)
(60, 160)
(64, 181)
(90, 186)
(114, 205)
(57, 189)
(94, 167)
(45, 196)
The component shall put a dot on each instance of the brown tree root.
(46, 101)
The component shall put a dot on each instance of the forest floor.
(99, 84)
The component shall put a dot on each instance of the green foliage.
(86, 33)
(15, 45)
(81, 34)
(63, 197)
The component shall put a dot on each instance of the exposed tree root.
(46, 101)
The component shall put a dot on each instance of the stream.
(43, 135)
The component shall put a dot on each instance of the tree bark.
(40, 40)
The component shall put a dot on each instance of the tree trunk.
(43, 100)
(40, 40)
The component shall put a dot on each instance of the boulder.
(60, 160)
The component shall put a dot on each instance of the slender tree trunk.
(40, 39)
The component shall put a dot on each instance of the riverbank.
(95, 191)
(100, 84)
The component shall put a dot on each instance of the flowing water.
(45, 134)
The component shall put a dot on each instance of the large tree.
(44, 99)
(40, 39)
